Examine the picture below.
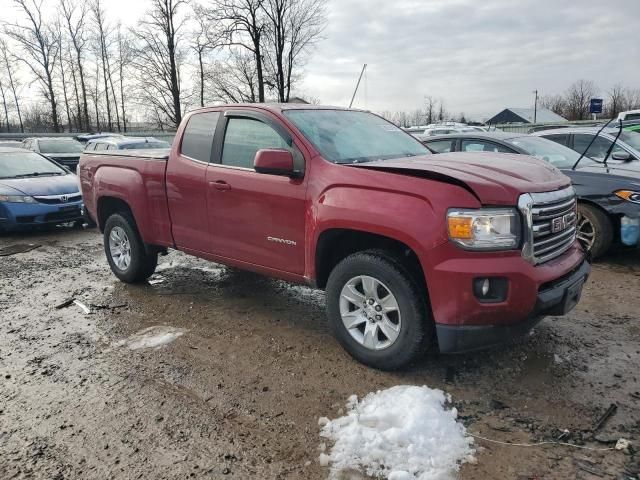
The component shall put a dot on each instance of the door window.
(483, 146)
(562, 139)
(441, 146)
(244, 137)
(598, 149)
(197, 140)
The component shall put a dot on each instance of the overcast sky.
(478, 55)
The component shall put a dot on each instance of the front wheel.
(377, 311)
(125, 251)
(595, 231)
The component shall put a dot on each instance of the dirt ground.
(239, 394)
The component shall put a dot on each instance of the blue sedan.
(36, 191)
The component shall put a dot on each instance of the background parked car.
(125, 143)
(626, 148)
(65, 151)
(608, 196)
(85, 137)
(35, 191)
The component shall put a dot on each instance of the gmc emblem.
(560, 223)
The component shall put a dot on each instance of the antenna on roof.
(357, 85)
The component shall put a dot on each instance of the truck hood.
(51, 185)
(495, 178)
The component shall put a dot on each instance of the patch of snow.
(151, 337)
(402, 433)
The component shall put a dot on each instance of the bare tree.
(244, 24)
(555, 103)
(3, 92)
(10, 68)
(40, 45)
(430, 108)
(101, 49)
(293, 27)
(578, 98)
(205, 39)
(159, 58)
(124, 60)
(235, 80)
(75, 19)
(616, 100)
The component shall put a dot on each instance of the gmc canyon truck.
(412, 249)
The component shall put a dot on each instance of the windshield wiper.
(37, 174)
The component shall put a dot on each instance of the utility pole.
(535, 107)
(357, 85)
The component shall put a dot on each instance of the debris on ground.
(18, 248)
(404, 432)
(152, 337)
(82, 306)
(605, 416)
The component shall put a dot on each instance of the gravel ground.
(249, 366)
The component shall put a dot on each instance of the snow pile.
(152, 337)
(402, 433)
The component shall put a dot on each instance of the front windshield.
(27, 164)
(60, 146)
(145, 145)
(631, 138)
(346, 136)
(549, 151)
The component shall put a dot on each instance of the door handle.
(220, 185)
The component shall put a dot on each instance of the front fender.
(404, 217)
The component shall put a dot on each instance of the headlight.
(484, 229)
(17, 199)
(628, 195)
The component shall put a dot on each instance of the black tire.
(142, 264)
(593, 221)
(416, 326)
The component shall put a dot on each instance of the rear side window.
(244, 137)
(482, 146)
(101, 146)
(441, 146)
(561, 139)
(197, 140)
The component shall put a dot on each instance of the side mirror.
(622, 156)
(274, 162)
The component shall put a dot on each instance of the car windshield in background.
(549, 151)
(60, 146)
(144, 145)
(27, 164)
(631, 138)
(344, 136)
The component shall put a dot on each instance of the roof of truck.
(278, 107)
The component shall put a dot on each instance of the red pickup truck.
(412, 249)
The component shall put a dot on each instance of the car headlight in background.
(485, 228)
(628, 195)
(17, 199)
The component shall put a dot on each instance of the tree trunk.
(4, 104)
(258, 55)
(175, 86)
(200, 64)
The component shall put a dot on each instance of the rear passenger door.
(256, 218)
(187, 186)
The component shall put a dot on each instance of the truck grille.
(550, 220)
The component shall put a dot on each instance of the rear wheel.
(125, 251)
(595, 231)
(377, 311)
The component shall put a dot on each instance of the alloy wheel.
(120, 248)
(370, 312)
(586, 232)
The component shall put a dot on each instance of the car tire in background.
(595, 231)
(125, 250)
(377, 310)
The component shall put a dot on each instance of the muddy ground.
(239, 393)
